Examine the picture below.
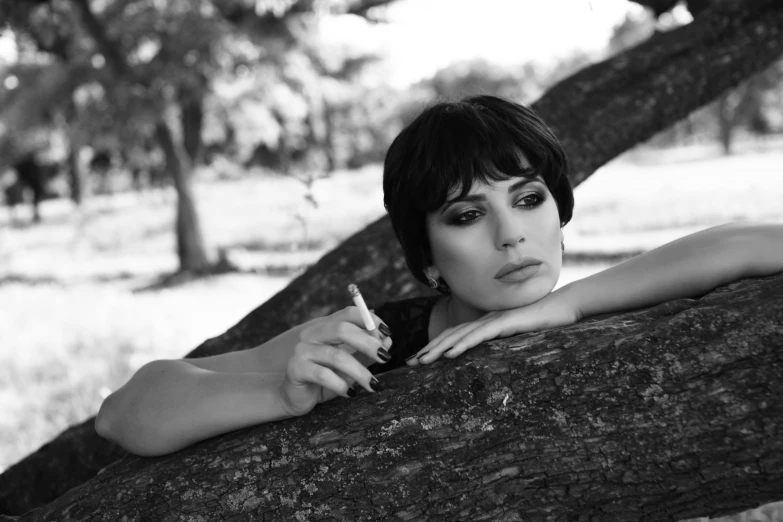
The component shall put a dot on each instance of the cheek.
(455, 251)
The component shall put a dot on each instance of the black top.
(408, 321)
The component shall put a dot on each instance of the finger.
(490, 327)
(351, 314)
(414, 359)
(485, 332)
(313, 373)
(448, 341)
(346, 333)
(343, 364)
(436, 349)
(302, 372)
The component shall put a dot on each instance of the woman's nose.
(510, 231)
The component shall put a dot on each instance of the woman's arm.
(688, 267)
(170, 404)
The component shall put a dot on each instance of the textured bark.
(598, 113)
(659, 414)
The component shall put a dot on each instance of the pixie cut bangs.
(452, 145)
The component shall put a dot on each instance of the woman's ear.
(432, 272)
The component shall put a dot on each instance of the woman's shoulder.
(405, 310)
(408, 320)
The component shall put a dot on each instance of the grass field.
(76, 322)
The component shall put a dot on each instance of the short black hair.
(454, 144)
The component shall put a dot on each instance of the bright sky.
(426, 35)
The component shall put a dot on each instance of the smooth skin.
(472, 239)
(170, 404)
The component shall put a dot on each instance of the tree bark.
(659, 414)
(597, 113)
(190, 244)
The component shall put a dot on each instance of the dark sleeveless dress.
(408, 321)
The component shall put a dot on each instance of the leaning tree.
(658, 414)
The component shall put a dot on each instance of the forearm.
(168, 405)
(688, 267)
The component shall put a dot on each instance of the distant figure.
(32, 175)
(100, 164)
(14, 196)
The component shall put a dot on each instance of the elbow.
(103, 424)
(121, 420)
(133, 438)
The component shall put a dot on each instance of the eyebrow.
(480, 197)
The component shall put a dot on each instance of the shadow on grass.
(26, 280)
(184, 277)
(280, 246)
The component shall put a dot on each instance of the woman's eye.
(466, 217)
(530, 200)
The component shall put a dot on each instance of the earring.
(432, 282)
(562, 246)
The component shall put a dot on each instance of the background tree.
(148, 67)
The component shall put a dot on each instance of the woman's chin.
(534, 290)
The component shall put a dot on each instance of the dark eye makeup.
(528, 201)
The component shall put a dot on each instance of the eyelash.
(464, 222)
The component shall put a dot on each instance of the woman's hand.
(326, 360)
(549, 312)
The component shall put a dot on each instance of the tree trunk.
(329, 145)
(597, 113)
(726, 121)
(190, 245)
(191, 101)
(75, 175)
(659, 414)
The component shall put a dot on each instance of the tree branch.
(660, 414)
(107, 47)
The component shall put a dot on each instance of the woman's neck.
(448, 312)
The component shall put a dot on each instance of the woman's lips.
(520, 274)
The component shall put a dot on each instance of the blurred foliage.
(254, 84)
(262, 88)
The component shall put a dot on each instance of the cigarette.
(358, 300)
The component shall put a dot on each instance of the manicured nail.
(351, 392)
(375, 385)
(422, 355)
(409, 359)
(384, 355)
(384, 330)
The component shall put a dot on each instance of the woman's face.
(498, 247)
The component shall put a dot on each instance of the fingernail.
(422, 355)
(409, 359)
(384, 355)
(384, 330)
(375, 385)
(351, 392)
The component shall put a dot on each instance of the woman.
(477, 193)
